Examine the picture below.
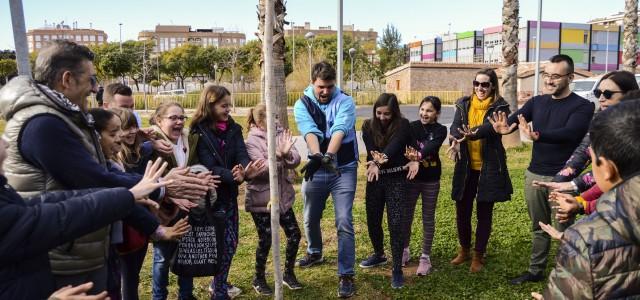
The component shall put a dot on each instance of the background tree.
(8, 67)
(181, 62)
(115, 64)
(279, 51)
(7, 54)
(630, 42)
(391, 51)
(510, 12)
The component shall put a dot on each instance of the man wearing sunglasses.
(559, 120)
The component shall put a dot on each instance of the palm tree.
(279, 51)
(630, 24)
(510, 12)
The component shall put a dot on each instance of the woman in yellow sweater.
(480, 172)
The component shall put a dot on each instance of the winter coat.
(29, 229)
(257, 194)
(494, 184)
(599, 257)
(230, 150)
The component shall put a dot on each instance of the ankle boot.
(477, 262)
(463, 255)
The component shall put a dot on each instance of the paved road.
(410, 112)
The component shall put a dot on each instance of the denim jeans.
(162, 252)
(315, 193)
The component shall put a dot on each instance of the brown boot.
(477, 262)
(463, 255)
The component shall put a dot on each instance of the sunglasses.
(606, 93)
(93, 79)
(485, 85)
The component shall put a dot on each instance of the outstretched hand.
(527, 129)
(554, 186)
(78, 292)
(411, 153)
(149, 183)
(554, 233)
(500, 123)
(453, 152)
(467, 133)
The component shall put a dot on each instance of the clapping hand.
(150, 183)
(566, 206)
(500, 123)
(527, 129)
(285, 143)
(411, 154)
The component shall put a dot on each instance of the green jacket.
(599, 257)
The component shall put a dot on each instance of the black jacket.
(224, 158)
(428, 139)
(494, 184)
(394, 149)
(29, 229)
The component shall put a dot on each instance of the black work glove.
(327, 163)
(312, 166)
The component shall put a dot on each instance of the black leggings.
(291, 230)
(392, 192)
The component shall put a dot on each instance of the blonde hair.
(257, 115)
(129, 156)
(209, 96)
(161, 110)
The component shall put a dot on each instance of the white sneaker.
(233, 291)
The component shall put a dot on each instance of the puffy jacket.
(494, 184)
(257, 194)
(599, 257)
(31, 228)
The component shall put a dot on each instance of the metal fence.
(190, 101)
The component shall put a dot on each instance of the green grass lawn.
(507, 255)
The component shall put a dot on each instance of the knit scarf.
(477, 110)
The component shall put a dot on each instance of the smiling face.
(77, 86)
(614, 98)
(172, 122)
(482, 86)
(556, 79)
(221, 109)
(111, 137)
(428, 113)
(384, 115)
(323, 89)
(129, 135)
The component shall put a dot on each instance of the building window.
(78, 38)
(92, 38)
(38, 45)
(100, 38)
(45, 38)
(85, 38)
(37, 38)
(586, 37)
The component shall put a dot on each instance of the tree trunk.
(279, 52)
(630, 42)
(510, 12)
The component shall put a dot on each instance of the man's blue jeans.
(315, 193)
(162, 252)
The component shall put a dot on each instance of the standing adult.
(480, 171)
(325, 117)
(560, 119)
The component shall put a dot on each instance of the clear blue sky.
(415, 19)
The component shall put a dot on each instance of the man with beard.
(560, 119)
(326, 119)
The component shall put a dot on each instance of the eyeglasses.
(93, 79)
(553, 77)
(485, 85)
(176, 118)
(606, 93)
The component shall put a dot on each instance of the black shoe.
(309, 260)
(289, 279)
(347, 287)
(526, 277)
(261, 286)
(397, 279)
(373, 261)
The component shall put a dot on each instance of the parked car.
(584, 87)
(170, 95)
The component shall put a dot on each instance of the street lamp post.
(310, 37)
(352, 53)
(536, 79)
(606, 53)
(293, 45)
(120, 37)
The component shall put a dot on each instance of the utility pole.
(339, 56)
(20, 37)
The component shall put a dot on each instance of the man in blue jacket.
(325, 117)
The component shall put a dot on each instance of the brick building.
(40, 37)
(168, 37)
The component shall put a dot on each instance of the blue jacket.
(29, 229)
(340, 113)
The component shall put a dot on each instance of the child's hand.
(372, 171)
(176, 231)
(555, 234)
(149, 183)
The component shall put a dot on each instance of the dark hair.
(116, 89)
(435, 102)
(615, 135)
(209, 96)
(625, 80)
(631, 95)
(101, 118)
(381, 136)
(56, 58)
(563, 58)
(493, 78)
(324, 71)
